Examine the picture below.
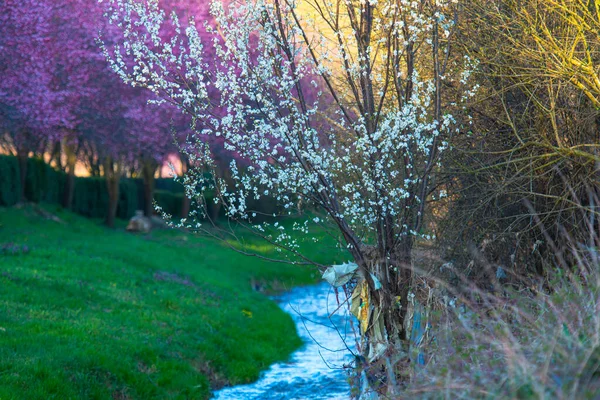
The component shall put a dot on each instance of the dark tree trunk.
(187, 202)
(394, 272)
(185, 206)
(395, 276)
(148, 170)
(94, 166)
(215, 210)
(55, 156)
(113, 201)
(69, 189)
(71, 156)
(112, 173)
(22, 157)
(401, 285)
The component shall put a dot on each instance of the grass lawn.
(89, 312)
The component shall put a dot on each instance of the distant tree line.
(59, 100)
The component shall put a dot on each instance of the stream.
(315, 370)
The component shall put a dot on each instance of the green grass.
(90, 312)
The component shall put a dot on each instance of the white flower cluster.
(294, 108)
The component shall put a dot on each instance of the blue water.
(316, 370)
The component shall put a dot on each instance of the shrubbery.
(90, 198)
(171, 203)
(43, 183)
(9, 181)
(168, 185)
(515, 342)
(130, 198)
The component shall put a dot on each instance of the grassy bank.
(88, 312)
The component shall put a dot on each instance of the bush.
(54, 185)
(90, 197)
(35, 180)
(265, 207)
(536, 341)
(168, 185)
(169, 202)
(137, 185)
(129, 200)
(10, 186)
(43, 183)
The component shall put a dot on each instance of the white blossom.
(356, 171)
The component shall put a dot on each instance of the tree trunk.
(215, 210)
(187, 202)
(94, 166)
(185, 206)
(22, 157)
(401, 285)
(55, 156)
(148, 169)
(395, 276)
(389, 306)
(112, 173)
(71, 156)
(113, 200)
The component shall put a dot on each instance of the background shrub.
(129, 198)
(43, 183)
(90, 197)
(168, 185)
(169, 202)
(10, 185)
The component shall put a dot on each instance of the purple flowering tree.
(31, 103)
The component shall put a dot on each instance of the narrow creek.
(315, 370)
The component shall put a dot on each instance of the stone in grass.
(139, 223)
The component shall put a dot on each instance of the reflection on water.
(314, 371)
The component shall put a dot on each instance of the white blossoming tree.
(342, 104)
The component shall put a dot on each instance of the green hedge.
(129, 199)
(170, 199)
(170, 202)
(90, 198)
(168, 185)
(43, 183)
(10, 185)
(138, 184)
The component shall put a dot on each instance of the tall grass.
(538, 340)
